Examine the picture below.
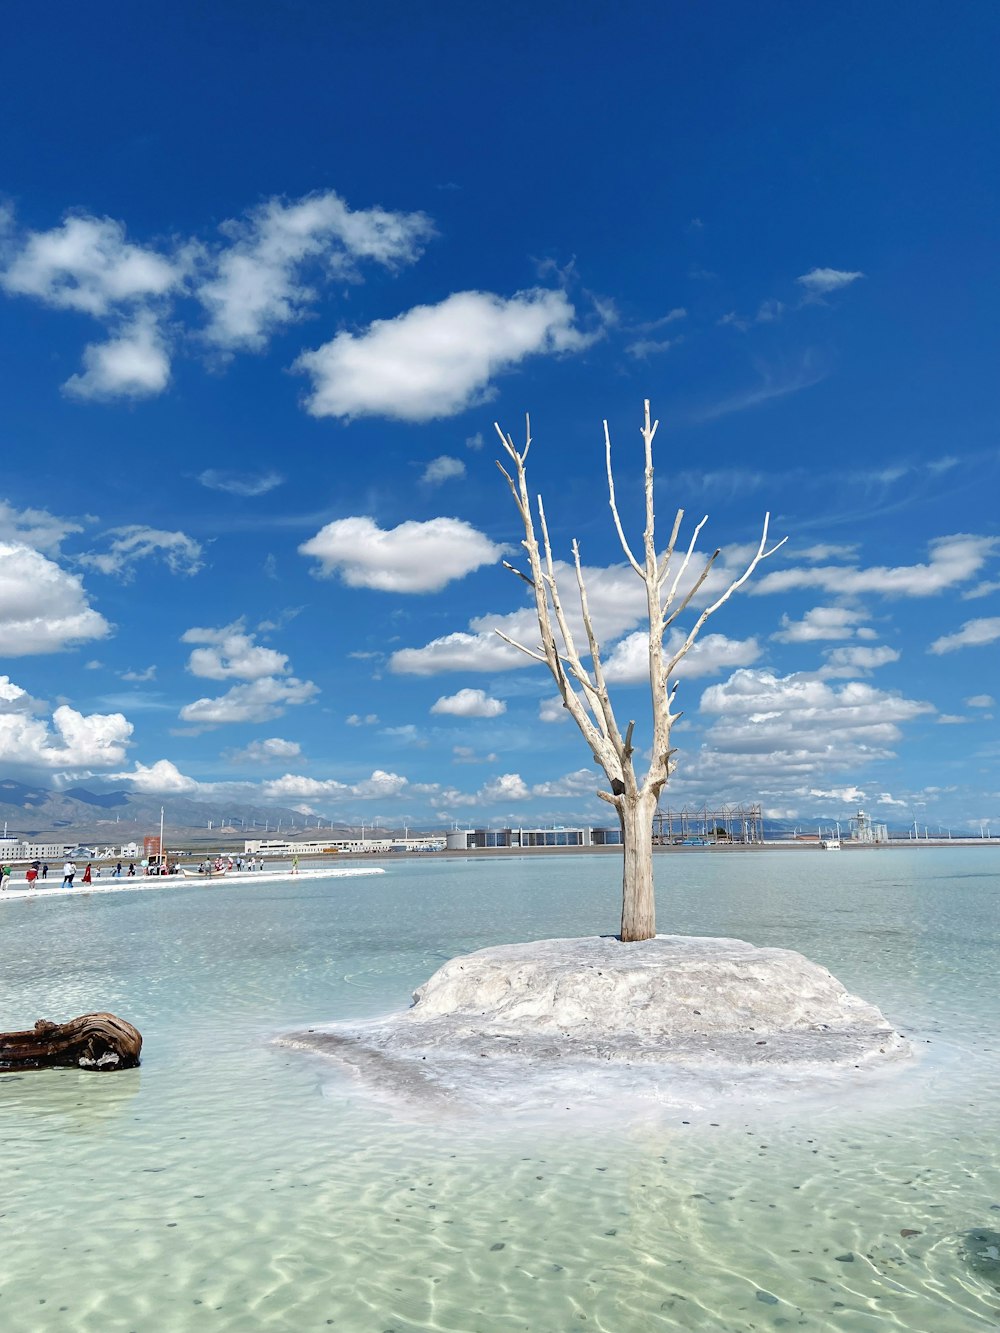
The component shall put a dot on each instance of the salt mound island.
(674, 1017)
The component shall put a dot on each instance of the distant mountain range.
(121, 816)
(117, 816)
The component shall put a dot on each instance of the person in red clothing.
(86, 874)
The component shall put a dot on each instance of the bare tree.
(584, 691)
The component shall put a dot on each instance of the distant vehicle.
(696, 842)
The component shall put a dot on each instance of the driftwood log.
(92, 1041)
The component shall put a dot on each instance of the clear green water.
(233, 1184)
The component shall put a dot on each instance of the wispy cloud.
(247, 484)
(643, 348)
(140, 676)
(772, 385)
(973, 634)
(180, 553)
(671, 317)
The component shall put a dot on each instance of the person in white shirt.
(69, 870)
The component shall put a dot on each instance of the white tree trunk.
(638, 907)
(584, 690)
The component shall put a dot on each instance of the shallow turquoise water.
(233, 1184)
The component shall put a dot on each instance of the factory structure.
(699, 826)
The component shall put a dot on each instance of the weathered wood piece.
(93, 1041)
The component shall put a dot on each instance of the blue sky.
(270, 272)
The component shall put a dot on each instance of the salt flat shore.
(673, 1020)
(144, 883)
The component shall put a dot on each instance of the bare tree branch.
(507, 565)
(762, 553)
(614, 507)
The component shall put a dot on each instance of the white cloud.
(163, 777)
(819, 281)
(435, 361)
(71, 741)
(259, 701)
(842, 795)
(266, 751)
(13, 698)
(251, 286)
(457, 652)
(759, 713)
(248, 484)
(886, 798)
(442, 469)
(87, 265)
(980, 701)
(43, 609)
(856, 660)
(356, 720)
(256, 287)
(35, 527)
(469, 703)
(951, 719)
(506, 787)
(617, 603)
(628, 663)
(952, 560)
(822, 622)
(232, 654)
(973, 634)
(413, 557)
(134, 364)
(180, 553)
(293, 786)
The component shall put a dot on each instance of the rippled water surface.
(233, 1184)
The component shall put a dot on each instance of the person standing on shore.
(86, 874)
(117, 872)
(45, 870)
(69, 870)
(131, 868)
